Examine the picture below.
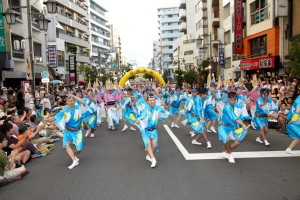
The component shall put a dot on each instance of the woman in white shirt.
(37, 96)
(29, 99)
(46, 102)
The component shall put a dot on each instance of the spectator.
(29, 99)
(50, 127)
(284, 110)
(34, 121)
(4, 95)
(290, 89)
(20, 99)
(42, 92)
(281, 90)
(285, 80)
(52, 97)
(7, 168)
(37, 96)
(11, 99)
(297, 89)
(36, 108)
(2, 111)
(45, 103)
(8, 109)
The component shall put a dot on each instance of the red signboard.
(238, 7)
(260, 63)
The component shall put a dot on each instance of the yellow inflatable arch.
(137, 78)
(139, 71)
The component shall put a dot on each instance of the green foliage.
(91, 73)
(179, 77)
(202, 72)
(86, 52)
(71, 48)
(295, 52)
(166, 75)
(67, 67)
(106, 77)
(147, 76)
(190, 76)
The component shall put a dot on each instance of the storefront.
(267, 66)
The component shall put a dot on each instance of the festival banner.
(238, 28)
(221, 58)
(28, 67)
(200, 55)
(2, 30)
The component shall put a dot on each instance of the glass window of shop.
(258, 46)
(259, 11)
(60, 58)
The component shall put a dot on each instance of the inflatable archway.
(139, 71)
(137, 78)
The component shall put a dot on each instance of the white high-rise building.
(156, 53)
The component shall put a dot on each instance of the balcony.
(81, 57)
(95, 10)
(182, 27)
(70, 38)
(168, 20)
(168, 28)
(182, 4)
(74, 6)
(101, 44)
(81, 25)
(215, 17)
(167, 43)
(99, 23)
(171, 12)
(167, 51)
(182, 15)
(171, 35)
(166, 59)
(99, 32)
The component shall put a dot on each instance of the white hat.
(3, 88)
(42, 87)
(279, 81)
(263, 82)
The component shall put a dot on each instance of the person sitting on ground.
(50, 128)
(284, 110)
(37, 139)
(16, 122)
(8, 109)
(7, 167)
(36, 108)
(21, 145)
(2, 111)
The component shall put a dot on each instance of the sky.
(136, 21)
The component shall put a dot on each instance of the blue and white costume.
(293, 127)
(194, 112)
(70, 121)
(228, 125)
(148, 122)
(129, 114)
(175, 100)
(91, 120)
(165, 94)
(209, 112)
(261, 112)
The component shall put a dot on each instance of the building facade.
(156, 54)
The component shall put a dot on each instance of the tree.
(166, 75)
(91, 73)
(106, 77)
(179, 77)
(295, 52)
(190, 76)
(147, 76)
(203, 72)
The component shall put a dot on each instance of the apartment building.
(13, 61)
(184, 47)
(156, 54)
(168, 30)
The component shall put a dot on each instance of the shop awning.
(57, 25)
(260, 63)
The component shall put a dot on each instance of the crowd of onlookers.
(22, 135)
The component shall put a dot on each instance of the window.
(170, 47)
(37, 50)
(169, 16)
(16, 55)
(169, 24)
(60, 58)
(227, 11)
(188, 52)
(198, 6)
(234, 55)
(199, 25)
(227, 37)
(170, 39)
(228, 62)
(258, 46)
(154, 44)
(19, 10)
(259, 11)
(170, 31)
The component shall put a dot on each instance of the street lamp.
(199, 41)
(43, 22)
(204, 48)
(10, 16)
(51, 6)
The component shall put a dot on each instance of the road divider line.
(211, 156)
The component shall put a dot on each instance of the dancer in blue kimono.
(293, 125)
(147, 122)
(69, 120)
(165, 93)
(231, 126)
(193, 106)
(264, 105)
(175, 100)
(91, 120)
(141, 102)
(209, 113)
(128, 105)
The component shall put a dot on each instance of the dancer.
(228, 122)
(195, 115)
(99, 108)
(175, 100)
(263, 106)
(209, 113)
(69, 120)
(293, 126)
(111, 97)
(91, 120)
(129, 115)
(147, 121)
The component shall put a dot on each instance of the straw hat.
(209, 78)
(254, 81)
(109, 85)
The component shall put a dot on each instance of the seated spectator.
(28, 112)
(11, 99)
(50, 128)
(8, 109)
(284, 110)
(34, 121)
(22, 145)
(36, 108)
(2, 111)
(16, 122)
(7, 167)
(290, 100)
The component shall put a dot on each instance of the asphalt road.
(113, 166)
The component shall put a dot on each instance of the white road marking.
(210, 156)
